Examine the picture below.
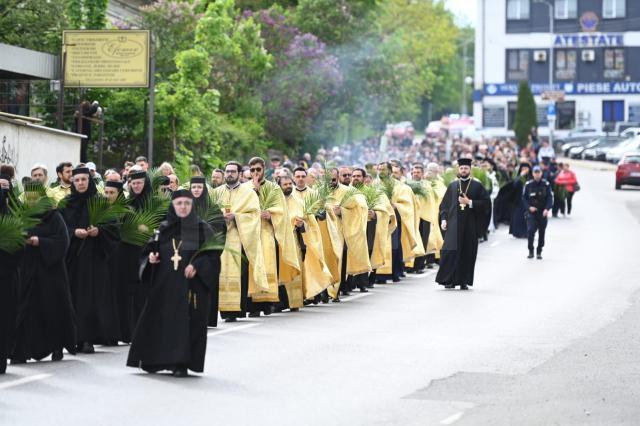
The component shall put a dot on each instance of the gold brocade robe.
(277, 229)
(386, 223)
(435, 238)
(352, 225)
(242, 233)
(316, 276)
(405, 201)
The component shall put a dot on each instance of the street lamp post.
(550, 5)
(463, 102)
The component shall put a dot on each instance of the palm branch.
(36, 203)
(313, 204)
(482, 176)
(14, 235)
(213, 212)
(419, 190)
(372, 195)
(348, 195)
(449, 176)
(182, 168)
(103, 212)
(139, 225)
(216, 242)
(387, 186)
(269, 196)
(156, 177)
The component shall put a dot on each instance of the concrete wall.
(23, 145)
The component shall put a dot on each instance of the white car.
(631, 132)
(615, 154)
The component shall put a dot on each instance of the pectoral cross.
(462, 206)
(176, 258)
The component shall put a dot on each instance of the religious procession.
(153, 257)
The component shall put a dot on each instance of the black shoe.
(464, 287)
(539, 256)
(268, 311)
(364, 290)
(530, 255)
(180, 372)
(151, 370)
(430, 266)
(450, 286)
(294, 309)
(381, 281)
(87, 348)
(308, 302)
(57, 355)
(231, 319)
(370, 286)
(16, 361)
(345, 293)
(324, 298)
(336, 300)
(396, 280)
(254, 314)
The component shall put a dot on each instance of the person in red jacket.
(567, 178)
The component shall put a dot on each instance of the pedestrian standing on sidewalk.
(567, 178)
(538, 198)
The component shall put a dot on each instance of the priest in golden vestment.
(276, 236)
(438, 189)
(241, 210)
(316, 276)
(427, 213)
(349, 208)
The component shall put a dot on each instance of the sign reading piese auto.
(109, 58)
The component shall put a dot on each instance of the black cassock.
(172, 330)
(9, 279)
(92, 289)
(464, 227)
(46, 319)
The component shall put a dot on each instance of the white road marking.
(452, 419)
(232, 329)
(24, 380)
(495, 243)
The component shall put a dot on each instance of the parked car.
(576, 137)
(575, 142)
(628, 172)
(615, 154)
(630, 132)
(597, 149)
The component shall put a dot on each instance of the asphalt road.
(554, 341)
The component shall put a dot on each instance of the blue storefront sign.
(589, 40)
(582, 88)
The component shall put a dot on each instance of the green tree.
(33, 24)
(86, 14)
(526, 117)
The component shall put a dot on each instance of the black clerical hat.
(198, 179)
(80, 171)
(114, 184)
(164, 180)
(137, 175)
(464, 162)
(181, 193)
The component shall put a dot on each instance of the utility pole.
(152, 96)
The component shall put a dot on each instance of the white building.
(594, 51)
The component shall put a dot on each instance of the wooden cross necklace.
(176, 258)
(462, 206)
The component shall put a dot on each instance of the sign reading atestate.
(106, 58)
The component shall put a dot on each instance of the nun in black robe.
(215, 219)
(131, 292)
(171, 333)
(46, 319)
(464, 227)
(9, 281)
(88, 268)
(518, 224)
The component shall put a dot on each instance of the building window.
(566, 9)
(566, 62)
(613, 63)
(566, 113)
(492, 116)
(517, 65)
(612, 9)
(517, 9)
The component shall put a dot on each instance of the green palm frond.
(13, 233)
(313, 204)
(103, 212)
(155, 176)
(387, 186)
(449, 176)
(482, 176)
(214, 208)
(138, 226)
(351, 192)
(269, 196)
(182, 167)
(216, 242)
(420, 190)
(372, 194)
